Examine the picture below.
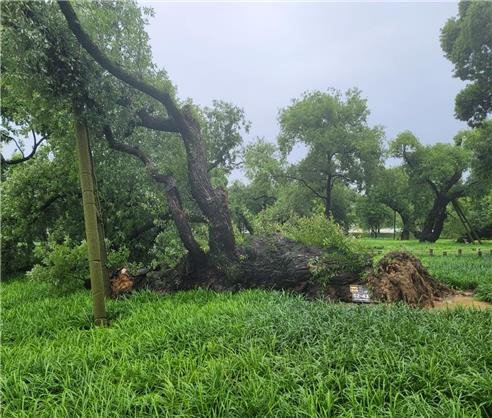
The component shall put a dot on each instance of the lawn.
(250, 354)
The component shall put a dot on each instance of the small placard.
(360, 293)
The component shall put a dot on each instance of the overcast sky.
(261, 55)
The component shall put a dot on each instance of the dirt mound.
(400, 276)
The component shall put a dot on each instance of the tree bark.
(96, 267)
(407, 226)
(434, 221)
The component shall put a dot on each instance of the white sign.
(360, 293)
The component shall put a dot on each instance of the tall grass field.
(249, 354)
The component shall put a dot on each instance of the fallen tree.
(277, 263)
(273, 262)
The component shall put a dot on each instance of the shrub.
(65, 265)
(62, 264)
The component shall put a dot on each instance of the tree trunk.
(328, 196)
(405, 234)
(212, 202)
(96, 267)
(434, 221)
(407, 227)
(274, 263)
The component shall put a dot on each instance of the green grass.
(251, 354)
(466, 272)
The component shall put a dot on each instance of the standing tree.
(372, 214)
(393, 189)
(467, 42)
(438, 167)
(340, 144)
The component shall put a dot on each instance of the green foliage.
(223, 126)
(118, 258)
(436, 163)
(341, 147)
(317, 230)
(467, 42)
(64, 265)
(479, 143)
(168, 249)
(247, 354)
(372, 214)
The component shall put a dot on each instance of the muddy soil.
(461, 300)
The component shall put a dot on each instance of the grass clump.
(249, 354)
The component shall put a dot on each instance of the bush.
(63, 265)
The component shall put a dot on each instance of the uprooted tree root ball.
(278, 263)
(400, 276)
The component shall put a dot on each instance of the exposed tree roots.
(400, 276)
(278, 263)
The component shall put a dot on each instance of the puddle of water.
(461, 300)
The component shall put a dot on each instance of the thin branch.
(303, 182)
(24, 157)
(19, 147)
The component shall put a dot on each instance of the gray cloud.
(261, 55)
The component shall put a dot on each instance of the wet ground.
(461, 300)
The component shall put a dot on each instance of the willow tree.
(439, 168)
(341, 147)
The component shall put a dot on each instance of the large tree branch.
(172, 193)
(452, 181)
(304, 183)
(157, 124)
(114, 68)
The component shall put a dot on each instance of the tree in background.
(467, 42)
(393, 189)
(341, 147)
(440, 168)
(372, 214)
